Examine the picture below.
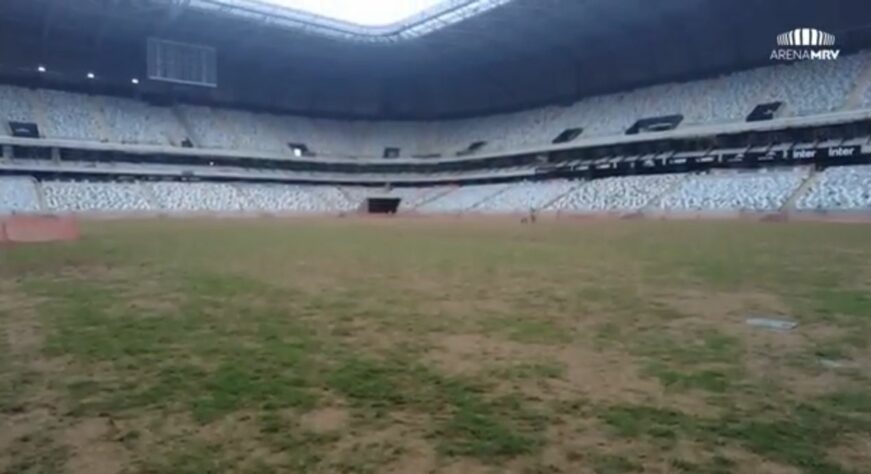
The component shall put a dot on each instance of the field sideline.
(422, 346)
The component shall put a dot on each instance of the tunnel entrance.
(381, 205)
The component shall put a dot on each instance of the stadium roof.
(381, 21)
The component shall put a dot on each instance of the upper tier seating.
(16, 104)
(718, 100)
(71, 116)
(208, 131)
(815, 86)
(233, 129)
(766, 190)
(866, 98)
(839, 188)
(132, 121)
(18, 195)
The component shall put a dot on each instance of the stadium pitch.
(412, 346)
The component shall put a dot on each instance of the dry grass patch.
(93, 447)
(444, 346)
(853, 452)
(325, 420)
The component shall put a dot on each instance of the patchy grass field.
(343, 346)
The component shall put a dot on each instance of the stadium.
(435, 236)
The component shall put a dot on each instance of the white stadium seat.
(16, 104)
(71, 196)
(839, 188)
(463, 198)
(290, 199)
(525, 197)
(717, 100)
(132, 121)
(196, 197)
(71, 116)
(766, 190)
(18, 195)
(616, 194)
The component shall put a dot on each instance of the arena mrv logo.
(802, 44)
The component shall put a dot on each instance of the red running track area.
(34, 229)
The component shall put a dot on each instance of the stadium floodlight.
(40, 68)
(91, 75)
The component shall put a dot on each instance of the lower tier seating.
(631, 193)
(837, 188)
(847, 187)
(18, 195)
(735, 191)
(70, 196)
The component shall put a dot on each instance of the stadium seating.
(171, 197)
(208, 131)
(333, 198)
(195, 197)
(18, 195)
(463, 199)
(710, 101)
(866, 98)
(71, 116)
(16, 104)
(799, 85)
(71, 196)
(294, 199)
(631, 193)
(525, 197)
(839, 188)
(766, 190)
(132, 121)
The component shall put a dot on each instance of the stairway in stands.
(434, 197)
(150, 197)
(547, 205)
(244, 198)
(40, 195)
(488, 198)
(808, 183)
(654, 202)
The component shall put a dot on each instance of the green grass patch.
(716, 381)
(196, 322)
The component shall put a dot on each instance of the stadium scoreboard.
(182, 63)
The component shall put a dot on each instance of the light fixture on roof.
(40, 68)
(91, 75)
(134, 81)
